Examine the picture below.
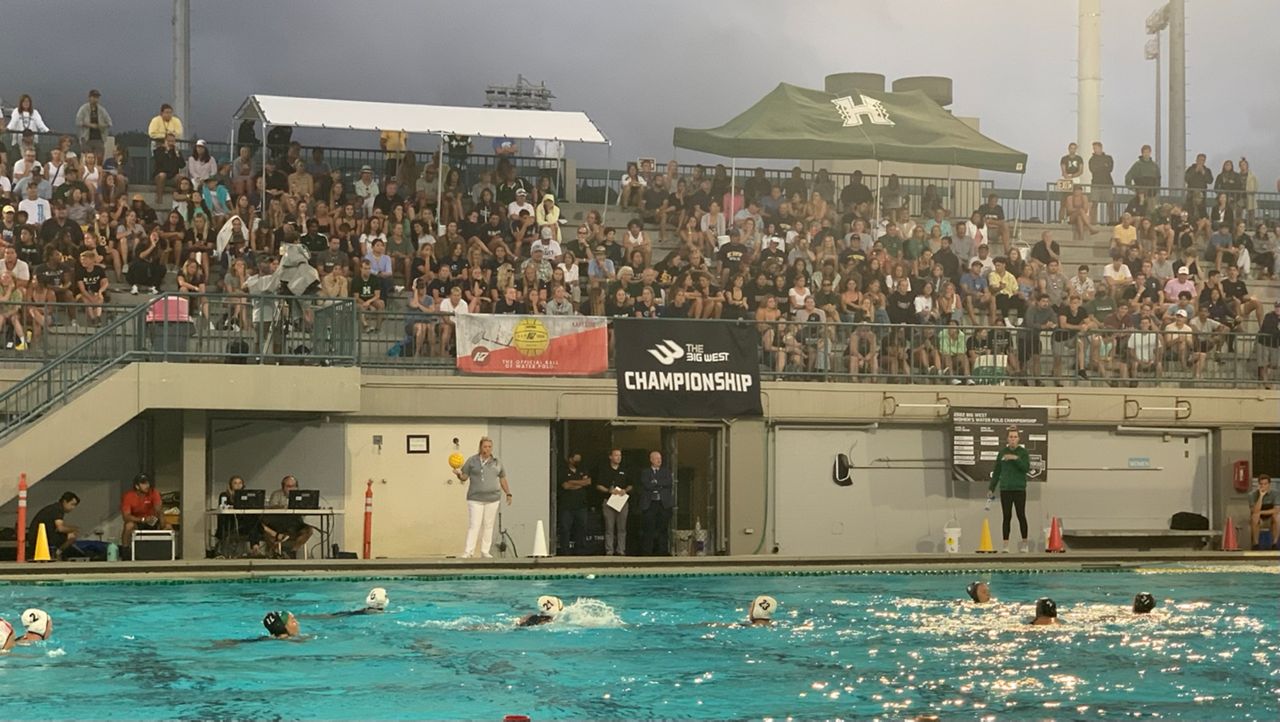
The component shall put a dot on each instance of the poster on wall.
(976, 436)
(687, 369)
(517, 345)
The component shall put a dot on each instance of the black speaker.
(842, 471)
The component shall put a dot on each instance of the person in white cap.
(548, 608)
(201, 165)
(762, 608)
(521, 203)
(375, 602)
(1179, 339)
(38, 625)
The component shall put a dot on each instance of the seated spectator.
(60, 535)
(1180, 344)
(1124, 235)
(166, 164)
(288, 532)
(367, 291)
(1117, 275)
(1262, 507)
(91, 286)
(141, 508)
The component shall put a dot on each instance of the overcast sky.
(641, 68)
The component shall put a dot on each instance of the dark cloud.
(639, 69)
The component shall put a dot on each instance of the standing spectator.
(572, 503)
(164, 124)
(25, 118)
(1249, 184)
(1010, 477)
(1101, 166)
(93, 123)
(1262, 505)
(488, 485)
(166, 165)
(1071, 164)
(1269, 345)
(1198, 178)
(657, 499)
(1144, 175)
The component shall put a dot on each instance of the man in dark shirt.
(314, 241)
(1269, 344)
(388, 198)
(1046, 249)
(572, 504)
(1198, 178)
(700, 199)
(757, 186)
(277, 181)
(855, 193)
(1101, 166)
(1072, 164)
(733, 257)
(1237, 294)
(166, 164)
(59, 224)
(901, 303)
(60, 535)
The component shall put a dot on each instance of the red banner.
(511, 345)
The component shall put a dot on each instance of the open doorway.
(695, 457)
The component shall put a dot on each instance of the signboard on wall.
(976, 436)
(517, 345)
(687, 369)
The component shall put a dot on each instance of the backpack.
(1189, 521)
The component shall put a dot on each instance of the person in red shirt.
(141, 508)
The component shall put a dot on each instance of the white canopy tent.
(442, 120)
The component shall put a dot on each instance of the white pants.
(480, 518)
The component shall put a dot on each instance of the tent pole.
(608, 163)
(879, 164)
(1017, 221)
(733, 191)
(949, 193)
(266, 127)
(439, 189)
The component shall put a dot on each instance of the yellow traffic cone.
(984, 540)
(41, 553)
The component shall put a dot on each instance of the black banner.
(687, 369)
(978, 434)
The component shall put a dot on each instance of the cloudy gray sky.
(641, 68)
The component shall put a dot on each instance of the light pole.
(1158, 20)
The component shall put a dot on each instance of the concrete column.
(195, 483)
(1089, 76)
(1177, 94)
(182, 63)
(748, 521)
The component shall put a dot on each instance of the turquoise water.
(845, 646)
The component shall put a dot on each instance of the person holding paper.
(612, 482)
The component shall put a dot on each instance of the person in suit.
(657, 499)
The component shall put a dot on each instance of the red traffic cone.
(1055, 538)
(1229, 537)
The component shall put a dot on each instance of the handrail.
(139, 334)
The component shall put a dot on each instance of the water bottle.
(113, 553)
(991, 499)
(699, 539)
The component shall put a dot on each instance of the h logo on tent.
(852, 113)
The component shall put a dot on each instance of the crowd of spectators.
(841, 280)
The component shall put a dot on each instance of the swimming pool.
(846, 645)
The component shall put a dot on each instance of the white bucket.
(951, 536)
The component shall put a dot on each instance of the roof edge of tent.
(253, 104)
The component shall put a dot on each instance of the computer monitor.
(249, 499)
(304, 499)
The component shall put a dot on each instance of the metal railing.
(258, 329)
(914, 353)
(1107, 203)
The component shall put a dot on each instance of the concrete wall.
(419, 506)
(904, 505)
(263, 451)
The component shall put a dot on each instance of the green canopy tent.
(803, 124)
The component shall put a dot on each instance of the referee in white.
(488, 481)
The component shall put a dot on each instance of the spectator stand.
(904, 127)
(327, 113)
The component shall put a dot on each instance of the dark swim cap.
(277, 623)
(1046, 607)
(1143, 603)
(972, 590)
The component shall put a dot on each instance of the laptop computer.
(249, 499)
(304, 499)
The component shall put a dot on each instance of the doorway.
(693, 453)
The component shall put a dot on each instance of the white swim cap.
(6, 634)
(37, 622)
(549, 605)
(763, 606)
(377, 599)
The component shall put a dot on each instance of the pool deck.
(624, 566)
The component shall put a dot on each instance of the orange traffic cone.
(1229, 537)
(1055, 538)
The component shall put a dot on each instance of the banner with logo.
(978, 434)
(687, 369)
(513, 345)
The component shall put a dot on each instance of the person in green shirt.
(1010, 476)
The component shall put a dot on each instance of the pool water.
(873, 645)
